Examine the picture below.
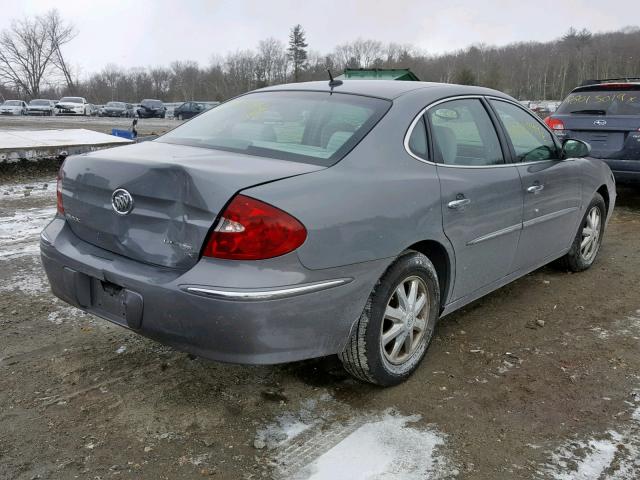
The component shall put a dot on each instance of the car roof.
(387, 89)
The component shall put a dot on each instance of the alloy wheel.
(591, 234)
(405, 320)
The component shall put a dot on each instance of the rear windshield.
(602, 102)
(313, 127)
(151, 103)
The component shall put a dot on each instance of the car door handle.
(458, 203)
(535, 188)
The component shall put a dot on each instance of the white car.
(13, 107)
(73, 106)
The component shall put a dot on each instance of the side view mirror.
(575, 149)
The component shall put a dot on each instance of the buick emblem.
(121, 201)
(600, 123)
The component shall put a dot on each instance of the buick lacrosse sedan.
(313, 219)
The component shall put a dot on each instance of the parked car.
(73, 106)
(191, 109)
(117, 109)
(606, 114)
(151, 109)
(13, 107)
(313, 219)
(41, 107)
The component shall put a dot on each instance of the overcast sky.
(155, 32)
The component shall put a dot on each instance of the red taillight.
(253, 230)
(59, 205)
(554, 123)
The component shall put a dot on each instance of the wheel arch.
(604, 192)
(437, 253)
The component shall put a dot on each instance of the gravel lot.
(538, 380)
(146, 126)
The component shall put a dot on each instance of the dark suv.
(152, 109)
(605, 114)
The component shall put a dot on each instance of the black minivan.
(606, 115)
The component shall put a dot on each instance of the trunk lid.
(607, 116)
(177, 192)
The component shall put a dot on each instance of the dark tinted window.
(71, 99)
(530, 139)
(418, 140)
(602, 102)
(151, 103)
(463, 134)
(305, 126)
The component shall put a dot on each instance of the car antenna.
(332, 81)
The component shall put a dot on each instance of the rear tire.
(580, 257)
(394, 330)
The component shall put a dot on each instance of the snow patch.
(19, 232)
(27, 282)
(384, 448)
(585, 460)
(34, 189)
(65, 314)
(613, 455)
(327, 439)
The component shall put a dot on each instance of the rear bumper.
(624, 170)
(265, 312)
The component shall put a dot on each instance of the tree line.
(32, 65)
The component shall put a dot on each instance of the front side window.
(313, 127)
(530, 140)
(463, 134)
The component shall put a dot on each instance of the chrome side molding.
(270, 294)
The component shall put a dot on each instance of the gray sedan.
(313, 219)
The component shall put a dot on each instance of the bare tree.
(186, 76)
(271, 62)
(30, 50)
(160, 80)
(60, 33)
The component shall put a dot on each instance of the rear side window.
(418, 140)
(463, 134)
(313, 127)
(530, 140)
(602, 102)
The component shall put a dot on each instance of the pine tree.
(297, 52)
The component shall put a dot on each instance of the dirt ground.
(538, 380)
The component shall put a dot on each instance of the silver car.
(13, 107)
(314, 219)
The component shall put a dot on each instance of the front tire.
(586, 245)
(393, 332)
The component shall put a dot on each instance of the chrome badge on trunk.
(121, 201)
